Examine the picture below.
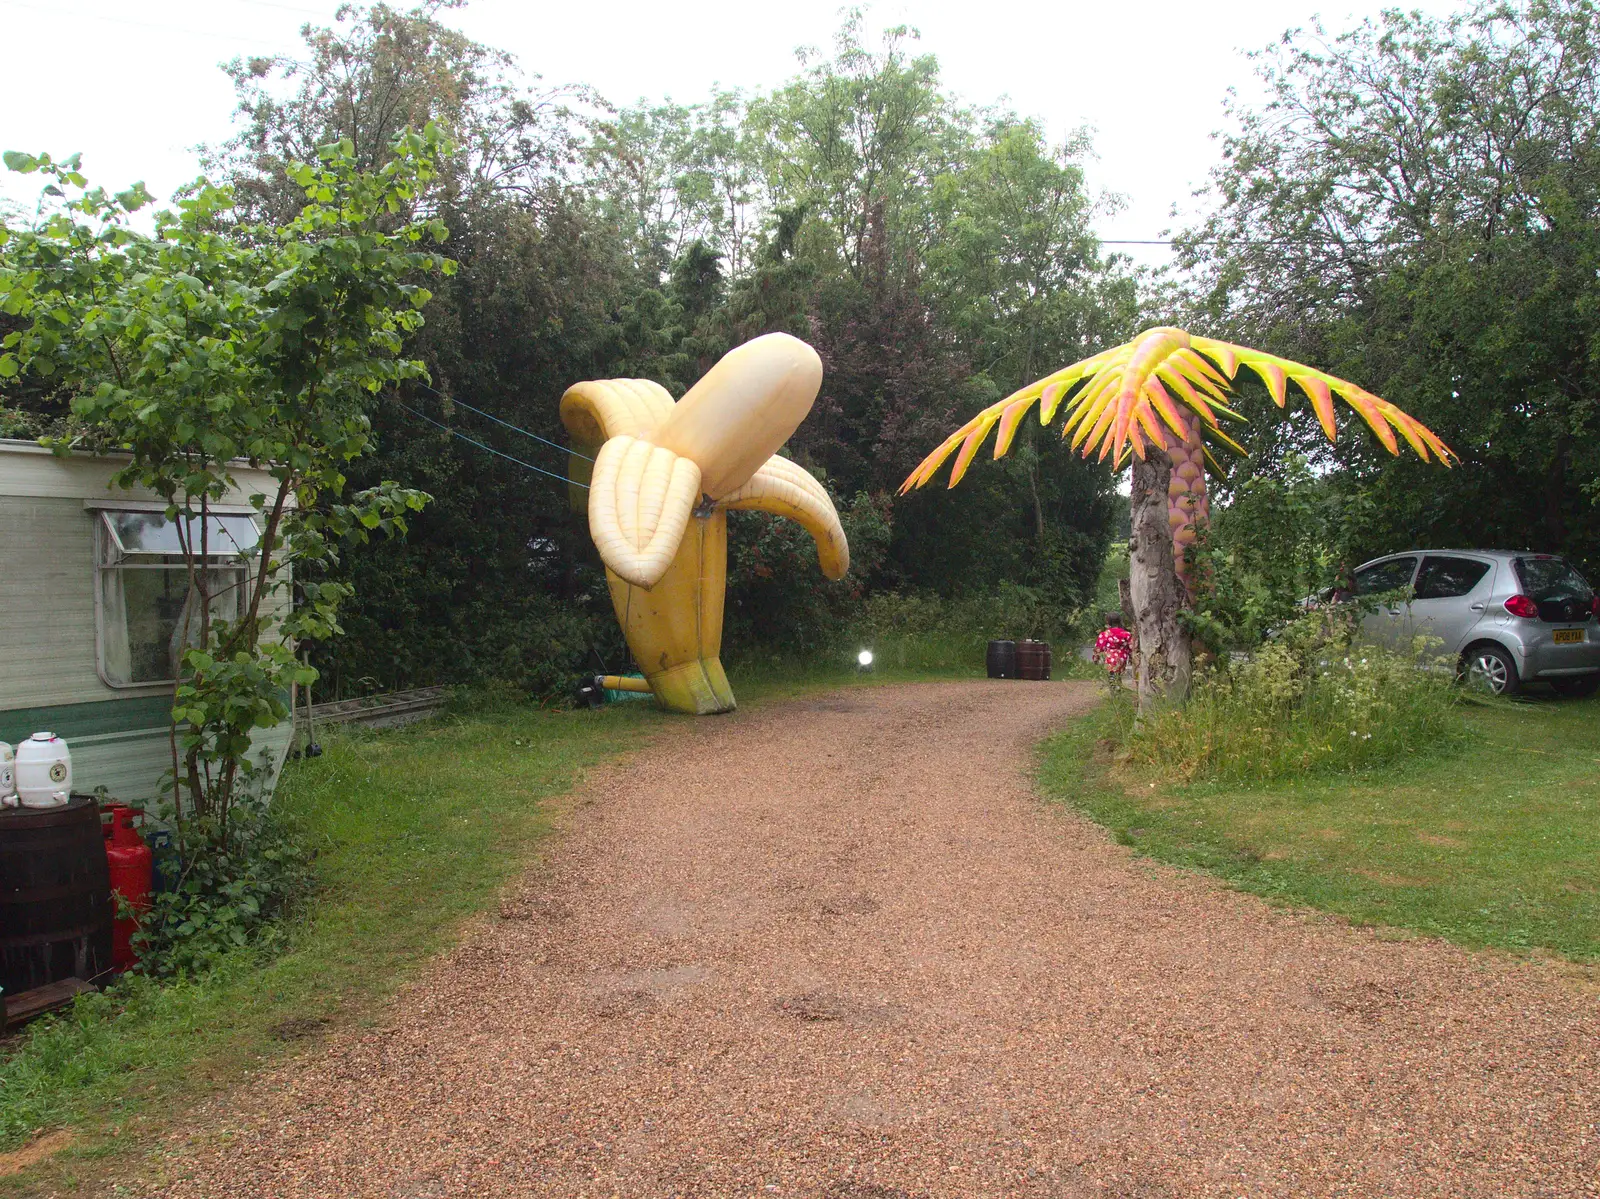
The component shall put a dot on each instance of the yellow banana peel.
(663, 479)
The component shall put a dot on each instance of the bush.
(1313, 699)
(231, 883)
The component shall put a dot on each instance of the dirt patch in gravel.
(839, 949)
(34, 1152)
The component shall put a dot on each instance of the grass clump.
(1313, 700)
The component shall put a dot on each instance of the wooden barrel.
(1002, 659)
(55, 896)
(1033, 660)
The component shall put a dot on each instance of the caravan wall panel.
(119, 737)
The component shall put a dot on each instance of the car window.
(1389, 575)
(1547, 579)
(1445, 578)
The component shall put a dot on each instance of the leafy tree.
(210, 342)
(1272, 543)
(1418, 206)
(667, 176)
(1016, 268)
(1016, 273)
(495, 580)
(858, 140)
(374, 72)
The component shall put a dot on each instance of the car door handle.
(1476, 607)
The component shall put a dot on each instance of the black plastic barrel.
(1002, 659)
(55, 896)
(1033, 660)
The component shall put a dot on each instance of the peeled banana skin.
(658, 489)
(675, 628)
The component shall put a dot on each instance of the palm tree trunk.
(1158, 594)
(1188, 504)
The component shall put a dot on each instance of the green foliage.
(767, 554)
(231, 884)
(1016, 269)
(670, 176)
(1312, 700)
(855, 140)
(1271, 543)
(925, 631)
(366, 77)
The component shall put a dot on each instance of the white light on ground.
(865, 657)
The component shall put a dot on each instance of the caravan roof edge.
(23, 445)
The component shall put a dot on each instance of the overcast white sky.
(135, 87)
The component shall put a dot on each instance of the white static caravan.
(92, 595)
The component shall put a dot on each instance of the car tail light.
(1594, 606)
(1521, 605)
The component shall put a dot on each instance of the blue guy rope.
(507, 424)
(470, 441)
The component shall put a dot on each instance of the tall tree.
(670, 175)
(1418, 206)
(858, 139)
(375, 71)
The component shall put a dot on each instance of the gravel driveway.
(836, 948)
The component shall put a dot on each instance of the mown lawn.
(1497, 844)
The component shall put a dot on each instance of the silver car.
(1509, 618)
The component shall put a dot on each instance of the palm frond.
(1122, 401)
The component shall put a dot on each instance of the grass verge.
(415, 830)
(1494, 844)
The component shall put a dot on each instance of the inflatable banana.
(662, 481)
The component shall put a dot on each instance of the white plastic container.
(44, 771)
(8, 776)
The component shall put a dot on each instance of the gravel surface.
(836, 948)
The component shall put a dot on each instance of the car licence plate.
(1567, 636)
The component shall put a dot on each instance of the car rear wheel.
(1490, 668)
(1584, 684)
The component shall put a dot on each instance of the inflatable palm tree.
(1157, 400)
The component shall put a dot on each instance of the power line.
(507, 424)
(1242, 241)
(497, 453)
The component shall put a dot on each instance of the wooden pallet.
(28, 1005)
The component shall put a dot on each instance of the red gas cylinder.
(129, 858)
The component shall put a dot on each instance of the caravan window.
(145, 605)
